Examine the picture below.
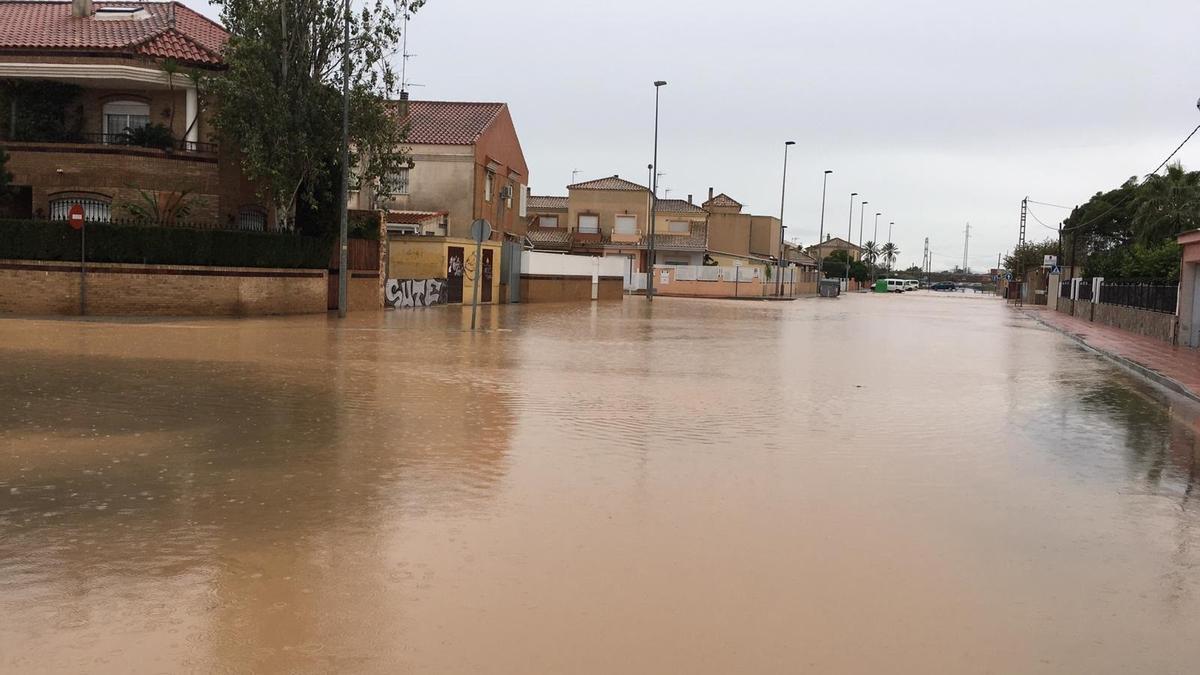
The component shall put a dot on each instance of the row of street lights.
(849, 226)
(658, 84)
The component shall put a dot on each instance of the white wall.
(557, 264)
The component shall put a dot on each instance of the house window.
(547, 221)
(124, 116)
(625, 225)
(589, 224)
(488, 180)
(678, 226)
(396, 183)
(252, 218)
(94, 210)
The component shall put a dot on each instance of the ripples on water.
(918, 483)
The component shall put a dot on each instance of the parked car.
(944, 286)
(911, 284)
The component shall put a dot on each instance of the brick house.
(467, 163)
(102, 108)
(833, 244)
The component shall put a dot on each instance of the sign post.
(480, 230)
(76, 220)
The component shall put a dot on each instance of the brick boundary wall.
(39, 288)
(563, 288)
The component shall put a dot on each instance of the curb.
(1136, 368)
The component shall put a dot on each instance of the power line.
(1143, 180)
(1030, 211)
(1057, 206)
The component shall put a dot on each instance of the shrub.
(107, 242)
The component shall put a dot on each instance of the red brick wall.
(52, 288)
(500, 144)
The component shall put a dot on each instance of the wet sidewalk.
(1177, 368)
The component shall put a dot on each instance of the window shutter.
(524, 197)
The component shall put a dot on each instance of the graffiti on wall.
(402, 293)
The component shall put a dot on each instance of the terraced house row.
(610, 216)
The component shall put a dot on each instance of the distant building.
(831, 244)
(736, 237)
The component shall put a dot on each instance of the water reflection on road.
(917, 483)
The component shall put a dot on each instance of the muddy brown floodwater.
(916, 484)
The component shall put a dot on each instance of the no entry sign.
(75, 216)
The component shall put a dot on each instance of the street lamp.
(653, 200)
(850, 238)
(344, 195)
(890, 240)
(821, 260)
(875, 240)
(782, 201)
(849, 225)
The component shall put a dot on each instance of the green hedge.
(106, 242)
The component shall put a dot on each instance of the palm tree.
(1167, 204)
(870, 252)
(890, 252)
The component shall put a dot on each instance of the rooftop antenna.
(573, 174)
(404, 55)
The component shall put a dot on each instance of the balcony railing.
(176, 145)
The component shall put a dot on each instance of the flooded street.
(906, 484)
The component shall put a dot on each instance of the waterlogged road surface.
(917, 484)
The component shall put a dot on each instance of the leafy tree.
(1029, 255)
(914, 270)
(279, 99)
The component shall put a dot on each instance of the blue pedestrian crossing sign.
(1054, 270)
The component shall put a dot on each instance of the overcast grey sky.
(937, 113)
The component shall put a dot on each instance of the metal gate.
(510, 270)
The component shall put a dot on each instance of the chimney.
(710, 194)
(689, 199)
(401, 107)
(828, 237)
(81, 8)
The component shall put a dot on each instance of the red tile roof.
(723, 200)
(608, 183)
(411, 217)
(168, 30)
(549, 238)
(544, 202)
(677, 206)
(449, 122)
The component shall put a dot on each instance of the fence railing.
(1085, 290)
(122, 139)
(1156, 295)
(1064, 289)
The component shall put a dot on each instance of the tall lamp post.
(782, 200)
(875, 240)
(820, 259)
(343, 225)
(653, 200)
(850, 238)
(849, 225)
(890, 239)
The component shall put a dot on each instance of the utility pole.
(966, 247)
(925, 260)
(343, 226)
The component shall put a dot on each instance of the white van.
(911, 284)
(895, 285)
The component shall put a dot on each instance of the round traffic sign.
(75, 216)
(481, 230)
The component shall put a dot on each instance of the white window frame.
(252, 218)
(403, 176)
(524, 200)
(595, 229)
(95, 210)
(489, 179)
(126, 108)
(626, 217)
